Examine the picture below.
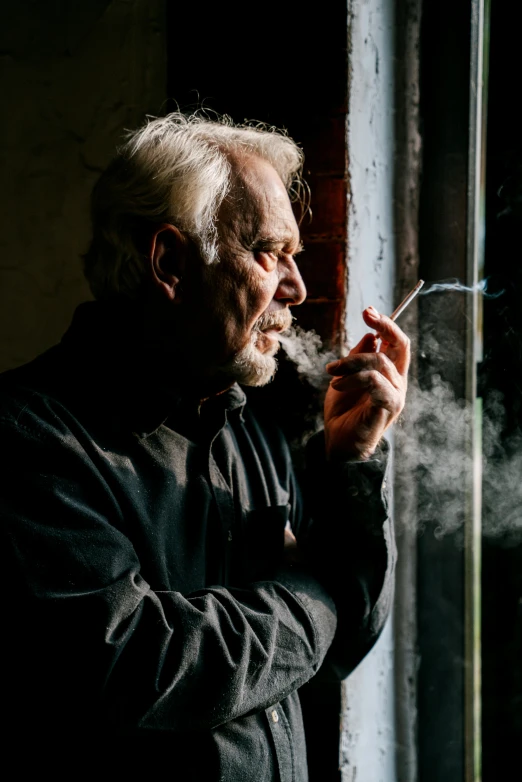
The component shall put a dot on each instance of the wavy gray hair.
(175, 169)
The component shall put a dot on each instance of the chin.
(251, 367)
(261, 376)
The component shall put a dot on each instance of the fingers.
(395, 343)
(364, 362)
(382, 393)
(368, 344)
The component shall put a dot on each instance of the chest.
(199, 514)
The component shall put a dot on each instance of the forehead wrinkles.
(257, 203)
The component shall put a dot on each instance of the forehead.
(258, 203)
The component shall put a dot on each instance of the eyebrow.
(271, 241)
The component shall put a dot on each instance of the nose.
(291, 288)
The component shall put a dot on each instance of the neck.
(176, 364)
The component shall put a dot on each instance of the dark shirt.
(147, 609)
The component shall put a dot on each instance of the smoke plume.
(433, 444)
(455, 285)
(305, 349)
(434, 448)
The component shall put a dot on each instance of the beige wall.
(71, 81)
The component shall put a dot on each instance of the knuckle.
(373, 377)
(396, 407)
(386, 362)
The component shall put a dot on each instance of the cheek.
(262, 290)
(244, 292)
(251, 295)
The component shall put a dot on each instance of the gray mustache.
(282, 320)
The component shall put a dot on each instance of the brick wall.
(323, 263)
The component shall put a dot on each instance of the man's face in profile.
(246, 295)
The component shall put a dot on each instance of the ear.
(167, 255)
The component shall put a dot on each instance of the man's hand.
(368, 391)
(292, 554)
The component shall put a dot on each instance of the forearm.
(222, 653)
(132, 657)
(349, 544)
(90, 635)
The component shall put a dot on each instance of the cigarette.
(409, 298)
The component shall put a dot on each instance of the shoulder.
(32, 396)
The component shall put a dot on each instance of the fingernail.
(372, 312)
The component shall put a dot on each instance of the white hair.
(175, 169)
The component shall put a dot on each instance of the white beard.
(250, 366)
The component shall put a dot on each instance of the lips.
(267, 340)
(268, 327)
(274, 323)
(275, 329)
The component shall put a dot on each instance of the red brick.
(324, 146)
(323, 268)
(329, 207)
(324, 317)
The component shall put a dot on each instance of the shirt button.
(275, 716)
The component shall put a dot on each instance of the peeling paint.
(368, 737)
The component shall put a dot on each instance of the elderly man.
(151, 606)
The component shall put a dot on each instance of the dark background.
(445, 51)
(502, 371)
(287, 67)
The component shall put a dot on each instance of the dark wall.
(73, 76)
(284, 63)
(444, 111)
(502, 372)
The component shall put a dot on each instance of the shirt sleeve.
(88, 635)
(348, 539)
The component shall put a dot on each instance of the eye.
(267, 259)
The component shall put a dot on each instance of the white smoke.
(305, 349)
(434, 448)
(434, 441)
(454, 285)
